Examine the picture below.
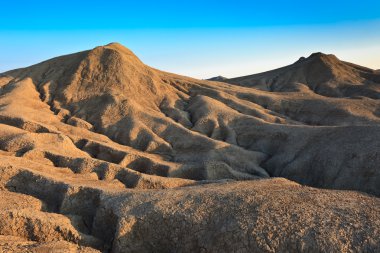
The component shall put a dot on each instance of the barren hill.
(323, 74)
(89, 141)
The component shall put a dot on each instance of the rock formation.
(102, 153)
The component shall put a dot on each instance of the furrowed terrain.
(101, 153)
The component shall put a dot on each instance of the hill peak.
(327, 58)
(218, 78)
(319, 56)
(116, 48)
(322, 73)
(115, 44)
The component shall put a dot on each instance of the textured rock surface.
(99, 152)
(12, 244)
(273, 215)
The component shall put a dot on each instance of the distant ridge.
(218, 78)
(323, 73)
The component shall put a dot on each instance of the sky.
(196, 38)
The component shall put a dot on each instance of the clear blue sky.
(195, 38)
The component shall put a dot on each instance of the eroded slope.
(92, 145)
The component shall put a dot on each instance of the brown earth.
(99, 152)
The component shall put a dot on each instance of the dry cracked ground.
(101, 153)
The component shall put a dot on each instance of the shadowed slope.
(111, 92)
(323, 74)
(169, 125)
